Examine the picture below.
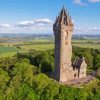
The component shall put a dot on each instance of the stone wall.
(64, 71)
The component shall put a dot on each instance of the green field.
(4, 49)
(88, 45)
(7, 51)
(38, 47)
(42, 44)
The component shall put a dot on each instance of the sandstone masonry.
(65, 70)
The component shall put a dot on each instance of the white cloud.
(96, 29)
(4, 25)
(43, 21)
(36, 22)
(25, 24)
(42, 25)
(94, 1)
(90, 30)
(79, 2)
(5, 28)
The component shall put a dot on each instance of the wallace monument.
(65, 69)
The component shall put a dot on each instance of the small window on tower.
(75, 75)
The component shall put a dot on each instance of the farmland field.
(4, 49)
(88, 45)
(24, 45)
(38, 46)
(7, 51)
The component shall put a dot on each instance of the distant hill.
(45, 35)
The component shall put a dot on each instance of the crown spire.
(63, 18)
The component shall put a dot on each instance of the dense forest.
(23, 77)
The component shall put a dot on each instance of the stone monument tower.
(63, 28)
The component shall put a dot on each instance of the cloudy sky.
(37, 16)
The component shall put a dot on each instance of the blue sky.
(38, 16)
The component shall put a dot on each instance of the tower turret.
(63, 28)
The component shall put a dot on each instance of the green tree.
(97, 62)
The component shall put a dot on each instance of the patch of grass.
(7, 51)
(38, 47)
(88, 45)
(8, 54)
